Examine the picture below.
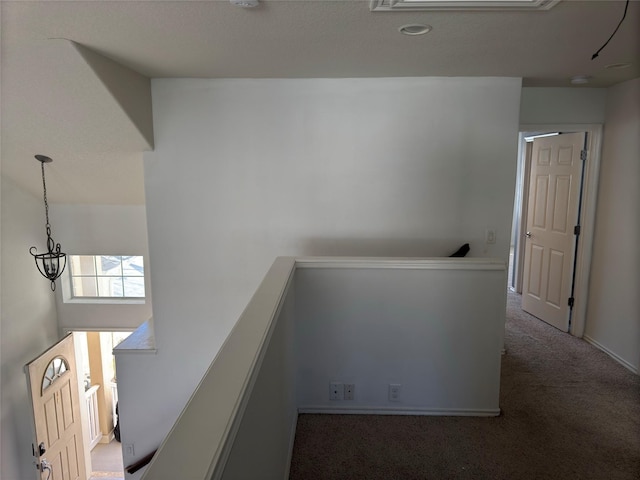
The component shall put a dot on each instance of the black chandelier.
(49, 263)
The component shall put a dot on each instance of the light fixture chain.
(46, 204)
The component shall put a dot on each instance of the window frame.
(68, 289)
(461, 5)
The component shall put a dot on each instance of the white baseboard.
(613, 355)
(96, 441)
(107, 438)
(453, 412)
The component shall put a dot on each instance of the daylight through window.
(107, 276)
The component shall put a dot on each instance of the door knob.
(528, 235)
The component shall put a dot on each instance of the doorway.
(582, 260)
(96, 367)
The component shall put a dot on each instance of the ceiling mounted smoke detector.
(418, 5)
(580, 79)
(414, 29)
(244, 3)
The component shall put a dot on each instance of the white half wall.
(102, 230)
(613, 310)
(436, 332)
(240, 421)
(247, 170)
(27, 323)
(360, 320)
(267, 430)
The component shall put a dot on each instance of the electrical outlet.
(336, 391)
(349, 391)
(394, 392)
(128, 450)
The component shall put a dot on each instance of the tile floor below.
(106, 462)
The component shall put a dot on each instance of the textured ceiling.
(280, 38)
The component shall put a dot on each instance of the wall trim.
(436, 263)
(613, 355)
(455, 412)
(107, 438)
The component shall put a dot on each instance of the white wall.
(562, 105)
(27, 323)
(437, 332)
(102, 230)
(613, 312)
(246, 170)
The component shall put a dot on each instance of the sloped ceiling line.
(131, 90)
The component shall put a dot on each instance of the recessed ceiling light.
(580, 79)
(244, 3)
(415, 29)
(617, 66)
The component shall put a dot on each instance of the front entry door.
(53, 388)
(554, 191)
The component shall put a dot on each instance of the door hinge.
(583, 155)
(576, 230)
(571, 300)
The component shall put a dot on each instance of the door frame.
(587, 215)
(83, 409)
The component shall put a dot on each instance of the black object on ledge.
(462, 251)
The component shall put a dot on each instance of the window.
(106, 276)
(54, 370)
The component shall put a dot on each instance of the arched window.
(55, 370)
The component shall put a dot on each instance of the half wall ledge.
(141, 340)
(435, 325)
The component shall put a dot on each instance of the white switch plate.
(490, 236)
(394, 392)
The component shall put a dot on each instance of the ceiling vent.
(422, 5)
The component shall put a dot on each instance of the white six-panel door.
(554, 189)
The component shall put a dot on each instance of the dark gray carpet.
(569, 412)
